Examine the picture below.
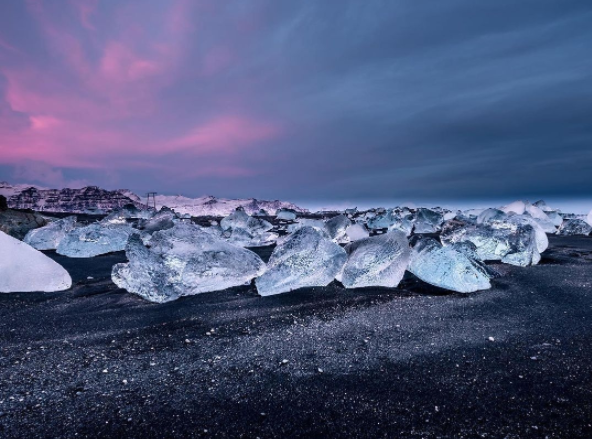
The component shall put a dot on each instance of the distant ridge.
(92, 199)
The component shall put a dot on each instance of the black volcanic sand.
(410, 362)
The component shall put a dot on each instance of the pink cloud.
(120, 64)
(225, 135)
(97, 104)
(217, 59)
(85, 9)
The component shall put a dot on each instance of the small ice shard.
(376, 261)
(557, 219)
(183, 261)
(240, 219)
(241, 229)
(543, 206)
(518, 207)
(95, 239)
(286, 214)
(402, 224)
(541, 218)
(489, 215)
(574, 227)
(449, 215)
(48, 237)
(472, 213)
(589, 218)
(301, 222)
(308, 258)
(24, 269)
(249, 237)
(336, 228)
(355, 232)
(427, 221)
(383, 220)
(447, 267)
(129, 211)
(164, 219)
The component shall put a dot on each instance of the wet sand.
(95, 361)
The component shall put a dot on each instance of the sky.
(320, 102)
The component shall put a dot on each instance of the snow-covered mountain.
(212, 206)
(90, 199)
(93, 199)
(8, 190)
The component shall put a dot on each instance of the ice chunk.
(241, 229)
(514, 222)
(557, 219)
(574, 227)
(355, 232)
(543, 206)
(183, 261)
(249, 237)
(95, 239)
(164, 219)
(514, 241)
(489, 215)
(589, 218)
(376, 261)
(314, 223)
(427, 221)
(286, 214)
(240, 219)
(517, 207)
(306, 259)
(447, 267)
(499, 220)
(336, 228)
(24, 269)
(383, 220)
(402, 224)
(450, 215)
(129, 211)
(49, 236)
(541, 218)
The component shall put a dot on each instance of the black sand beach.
(411, 362)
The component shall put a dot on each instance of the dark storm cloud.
(330, 100)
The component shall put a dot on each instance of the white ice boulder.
(24, 269)
(336, 228)
(447, 267)
(307, 258)
(48, 237)
(286, 214)
(518, 207)
(589, 218)
(355, 232)
(379, 261)
(95, 239)
(183, 261)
